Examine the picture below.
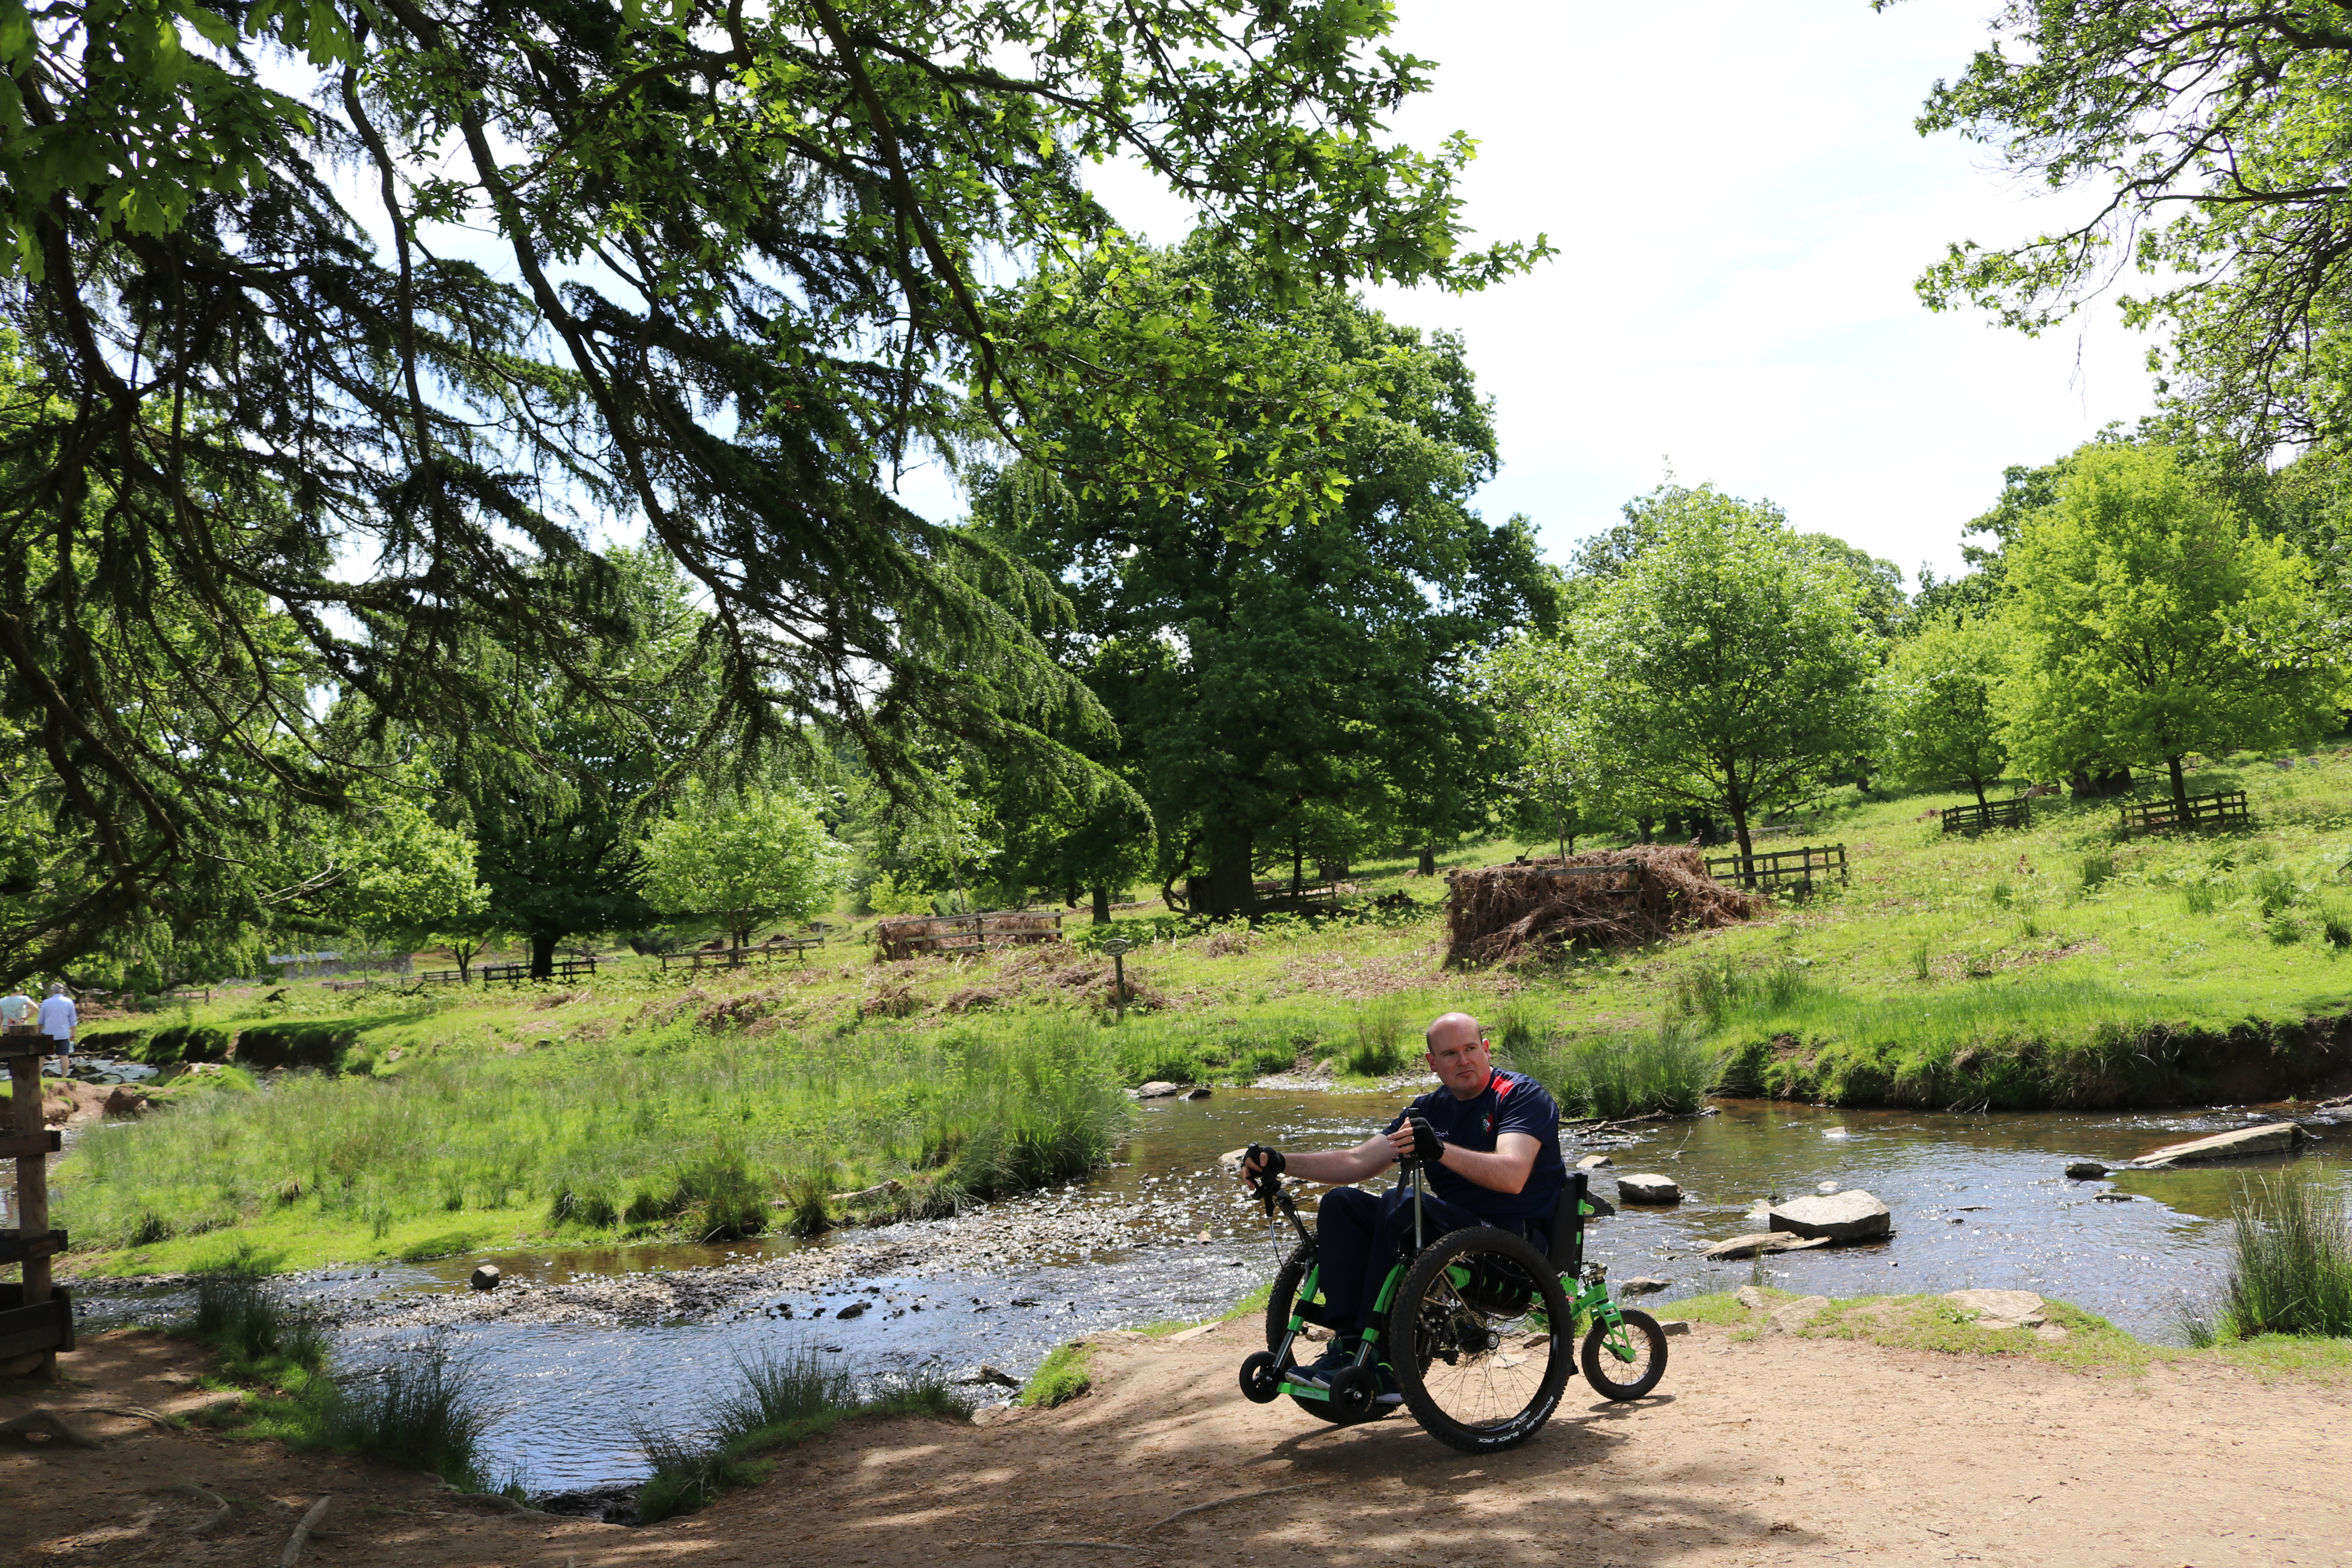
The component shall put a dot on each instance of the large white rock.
(2266, 1138)
(1850, 1215)
(1648, 1188)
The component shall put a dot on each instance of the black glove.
(1271, 1162)
(1427, 1146)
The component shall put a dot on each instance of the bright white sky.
(1741, 204)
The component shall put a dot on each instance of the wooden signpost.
(1118, 947)
(36, 1317)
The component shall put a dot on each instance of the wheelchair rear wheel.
(1480, 1336)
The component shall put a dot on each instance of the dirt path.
(1782, 1450)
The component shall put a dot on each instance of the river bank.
(2003, 1459)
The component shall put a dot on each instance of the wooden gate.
(36, 1317)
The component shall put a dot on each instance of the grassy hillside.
(2056, 965)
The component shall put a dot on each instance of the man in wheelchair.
(1489, 1143)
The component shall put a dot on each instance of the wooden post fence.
(2217, 810)
(1972, 820)
(36, 1317)
(1798, 868)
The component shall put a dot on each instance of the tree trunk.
(1102, 906)
(1648, 825)
(542, 954)
(1297, 867)
(1227, 889)
(1979, 788)
(2180, 786)
(1429, 859)
(1747, 849)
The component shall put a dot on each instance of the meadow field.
(2061, 964)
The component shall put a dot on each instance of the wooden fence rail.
(967, 933)
(1781, 867)
(737, 957)
(563, 969)
(2215, 810)
(1975, 820)
(35, 1316)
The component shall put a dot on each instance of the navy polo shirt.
(1511, 1102)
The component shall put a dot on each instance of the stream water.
(1977, 1201)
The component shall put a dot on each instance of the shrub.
(2095, 870)
(2292, 1267)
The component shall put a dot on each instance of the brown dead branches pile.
(1612, 898)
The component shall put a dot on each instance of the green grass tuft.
(784, 1397)
(1061, 1377)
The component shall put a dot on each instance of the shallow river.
(1977, 1201)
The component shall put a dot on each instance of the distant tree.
(2152, 620)
(1943, 720)
(559, 790)
(744, 855)
(1530, 685)
(1729, 666)
(398, 875)
(1258, 688)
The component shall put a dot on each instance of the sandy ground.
(1782, 1450)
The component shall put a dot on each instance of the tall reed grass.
(420, 1411)
(2291, 1268)
(693, 1143)
(1671, 1068)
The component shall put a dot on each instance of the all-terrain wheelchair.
(1477, 1326)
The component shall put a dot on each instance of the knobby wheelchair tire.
(1615, 1379)
(1482, 1359)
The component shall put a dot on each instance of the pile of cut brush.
(1614, 897)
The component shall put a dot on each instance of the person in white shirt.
(16, 1011)
(58, 1018)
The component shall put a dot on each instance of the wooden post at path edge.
(1118, 947)
(35, 1318)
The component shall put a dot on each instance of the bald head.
(1451, 1028)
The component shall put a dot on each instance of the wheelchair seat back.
(1567, 1231)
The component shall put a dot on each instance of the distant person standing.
(58, 1018)
(16, 1011)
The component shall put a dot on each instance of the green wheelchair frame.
(1619, 1338)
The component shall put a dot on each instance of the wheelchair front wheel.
(1479, 1336)
(1612, 1375)
(1278, 1305)
(1261, 1379)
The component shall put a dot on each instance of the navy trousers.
(1358, 1236)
